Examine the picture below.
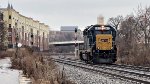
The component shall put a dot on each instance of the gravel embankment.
(82, 76)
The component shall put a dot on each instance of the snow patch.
(11, 76)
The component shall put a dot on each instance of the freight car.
(99, 44)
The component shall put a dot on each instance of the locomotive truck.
(99, 44)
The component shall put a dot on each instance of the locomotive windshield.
(102, 32)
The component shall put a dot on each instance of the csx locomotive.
(99, 44)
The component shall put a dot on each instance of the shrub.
(40, 70)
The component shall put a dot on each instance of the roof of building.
(11, 8)
(68, 28)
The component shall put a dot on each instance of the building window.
(9, 42)
(32, 35)
(9, 25)
(9, 16)
(31, 43)
(9, 34)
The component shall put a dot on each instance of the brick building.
(29, 32)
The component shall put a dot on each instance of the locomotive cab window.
(103, 32)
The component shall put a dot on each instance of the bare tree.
(115, 21)
(134, 38)
(144, 15)
(2, 32)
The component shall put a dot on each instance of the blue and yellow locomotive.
(99, 44)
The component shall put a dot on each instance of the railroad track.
(122, 72)
(141, 68)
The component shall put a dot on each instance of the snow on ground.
(10, 76)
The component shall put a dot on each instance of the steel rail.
(103, 70)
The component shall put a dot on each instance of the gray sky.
(56, 13)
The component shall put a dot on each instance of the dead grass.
(137, 57)
(4, 54)
(37, 68)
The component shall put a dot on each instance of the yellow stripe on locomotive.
(104, 41)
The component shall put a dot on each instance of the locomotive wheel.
(115, 58)
(81, 56)
(85, 57)
(88, 58)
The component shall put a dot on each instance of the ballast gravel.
(82, 76)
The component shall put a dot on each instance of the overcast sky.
(56, 13)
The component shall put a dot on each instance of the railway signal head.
(75, 30)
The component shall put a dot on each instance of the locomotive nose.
(104, 41)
